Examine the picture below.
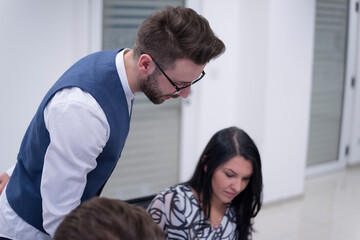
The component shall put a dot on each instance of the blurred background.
(288, 77)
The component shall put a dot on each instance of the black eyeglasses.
(178, 89)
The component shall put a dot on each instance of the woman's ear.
(146, 65)
(205, 168)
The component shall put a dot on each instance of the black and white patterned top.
(178, 213)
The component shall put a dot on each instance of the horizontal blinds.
(122, 18)
(328, 80)
(149, 161)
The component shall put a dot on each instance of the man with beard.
(78, 132)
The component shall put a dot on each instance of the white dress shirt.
(70, 156)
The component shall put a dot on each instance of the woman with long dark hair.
(222, 197)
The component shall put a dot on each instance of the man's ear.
(146, 65)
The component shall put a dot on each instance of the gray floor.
(328, 210)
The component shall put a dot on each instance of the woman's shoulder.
(178, 190)
(177, 195)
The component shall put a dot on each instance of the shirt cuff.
(10, 171)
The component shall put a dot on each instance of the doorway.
(332, 86)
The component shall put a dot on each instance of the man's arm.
(78, 132)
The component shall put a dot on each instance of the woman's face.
(230, 179)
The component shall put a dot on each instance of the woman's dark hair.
(223, 146)
(108, 219)
(177, 32)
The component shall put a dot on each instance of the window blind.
(328, 81)
(149, 161)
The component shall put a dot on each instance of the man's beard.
(150, 88)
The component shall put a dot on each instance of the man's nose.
(184, 93)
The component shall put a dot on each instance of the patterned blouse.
(178, 213)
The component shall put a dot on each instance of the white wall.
(39, 40)
(261, 84)
(288, 91)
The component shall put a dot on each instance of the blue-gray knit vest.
(97, 75)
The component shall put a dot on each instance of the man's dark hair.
(177, 32)
(108, 219)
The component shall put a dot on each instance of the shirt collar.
(120, 67)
